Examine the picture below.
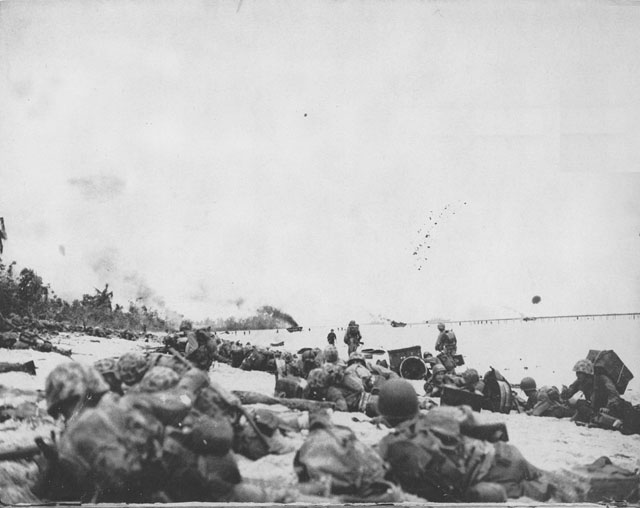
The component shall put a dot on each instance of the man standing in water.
(352, 337)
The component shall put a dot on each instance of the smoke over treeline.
(265, 318)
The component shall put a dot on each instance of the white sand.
(548, 443)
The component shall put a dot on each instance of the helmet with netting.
(132, 367)
(585, 366)
(331, 354)
(308, 356)
(71, 382)
(107, 366)
(318, 379)
(158, 378)
(162, 360)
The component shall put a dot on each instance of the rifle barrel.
(20, 453)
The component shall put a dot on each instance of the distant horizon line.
(476, 321)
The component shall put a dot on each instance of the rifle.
(297, 404)
(228, 398)
(28, 452)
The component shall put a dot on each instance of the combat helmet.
(70, 384)
(331, 354)
(528, 384)
(107, 366)
(470, 376)
(437, 368)
(158, 378)
(308, 356)
(356, 356)
(585, 366)
(398, 401)
(429, 358)
(202, 335)
(318, 379)
(132, 367)
(441, 327)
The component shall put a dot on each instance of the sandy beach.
(550, 444)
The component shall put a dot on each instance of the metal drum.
(412, 367)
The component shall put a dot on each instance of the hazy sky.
(215, 156)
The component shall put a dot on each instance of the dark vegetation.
(26, 294)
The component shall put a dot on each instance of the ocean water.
(545, 349)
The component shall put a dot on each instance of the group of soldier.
(155, 427)
(602, 405)
(353, 385)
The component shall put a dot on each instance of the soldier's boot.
(29, 367)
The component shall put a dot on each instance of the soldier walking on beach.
(352, 336)
(331, 338)
(447, 341)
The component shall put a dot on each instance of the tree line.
(24, 293)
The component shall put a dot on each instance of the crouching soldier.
(604, 406)
(430, 456)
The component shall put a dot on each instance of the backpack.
(334, 452)
(432, 459)
(114, 450)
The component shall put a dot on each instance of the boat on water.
(398, 324)
(294, 329)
